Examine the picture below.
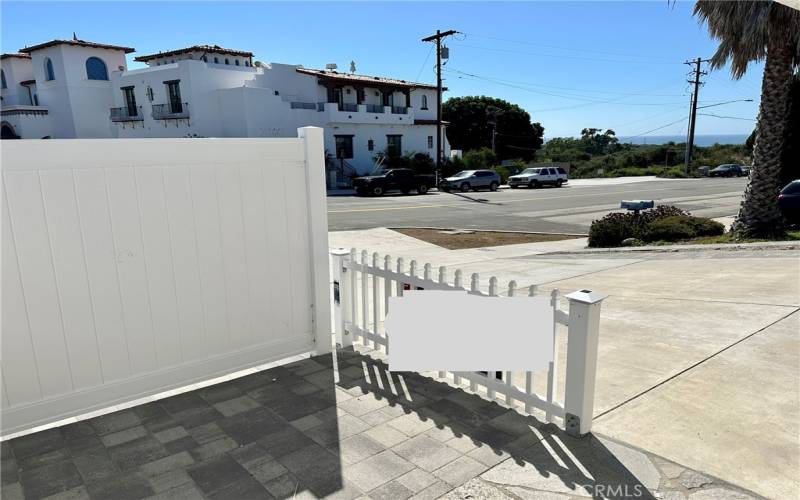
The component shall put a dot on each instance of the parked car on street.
(789, 201)
(538, 176)
(397, 179)
(726, 170)
(746, 170)
(472, 179)
(704, 170)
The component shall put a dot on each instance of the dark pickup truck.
(397, 179)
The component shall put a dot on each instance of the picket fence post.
(314, 152)
(342, 295)
(582, 338)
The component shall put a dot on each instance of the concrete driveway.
(699, 353)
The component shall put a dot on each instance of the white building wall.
(222, 101)
(16, 70)
(78, 107)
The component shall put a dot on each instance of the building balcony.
(127, 114)
(171, 111)
(399, 110)
(23, 109)
(346, 106)
(303, 105)
(366, 113)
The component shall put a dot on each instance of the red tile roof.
(364, 79)
(77, 43)
(195, 48)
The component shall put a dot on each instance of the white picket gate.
(361, 292)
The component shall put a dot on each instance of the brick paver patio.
(293, 431)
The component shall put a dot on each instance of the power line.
(657, 128)
(588, 102)
(583, 50)
(424, 63)
(728, 117)
(591, 91)
(539, 54)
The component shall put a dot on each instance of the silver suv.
(472, 179)
(539, 176)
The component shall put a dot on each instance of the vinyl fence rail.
(363, 283)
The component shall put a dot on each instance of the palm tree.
(753, 31)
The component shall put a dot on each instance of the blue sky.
(570, 64)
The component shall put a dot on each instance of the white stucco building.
(79, 89)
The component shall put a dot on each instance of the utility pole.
(693, 108)
(438, 39)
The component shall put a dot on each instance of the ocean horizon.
(699, 140)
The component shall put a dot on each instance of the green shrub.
(479, 158)
(503, 172)
(681, 227)
(615, 227)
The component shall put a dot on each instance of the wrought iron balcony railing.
(345, 106)
(171, 111)
(303, 105)
(374, 108)
(127, 114)
(399, 110)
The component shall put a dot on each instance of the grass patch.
(728, 238)
(477, 239)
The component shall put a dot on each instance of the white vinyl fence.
(362, 287)
(134, 266)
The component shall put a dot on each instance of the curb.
(771, 245)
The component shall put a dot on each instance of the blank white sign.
(456, 331)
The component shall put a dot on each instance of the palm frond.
(743, 29)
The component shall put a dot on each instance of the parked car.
(397, 179)
(472, 179)
(746, 170)
(538, 176)
(789, 201)
(704, 170)
(727, 170)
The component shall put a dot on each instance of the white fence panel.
(360, 312)
(131, 267)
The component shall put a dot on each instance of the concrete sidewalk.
(699, 352)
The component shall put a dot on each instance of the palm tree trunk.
(759, 215)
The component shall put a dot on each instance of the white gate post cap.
(586, 296)
(340, 251)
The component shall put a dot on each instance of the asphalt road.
(569, 209)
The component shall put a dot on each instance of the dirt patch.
(457, 240)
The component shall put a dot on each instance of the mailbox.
(636, 205)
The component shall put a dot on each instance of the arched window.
(216, 60)
(424, 102)
(236, 61)
(247, 63)
(204, 58)
(227, 61)
(3, 77)
(96, 69)
(49, 74)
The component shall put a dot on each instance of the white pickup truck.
(538, 176)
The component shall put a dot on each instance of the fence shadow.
(582, 466)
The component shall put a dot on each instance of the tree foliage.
(472, 122)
